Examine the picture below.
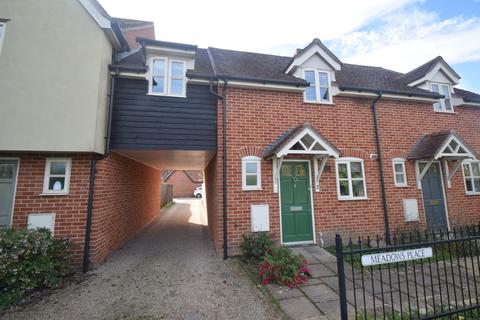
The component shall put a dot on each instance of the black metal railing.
(430, 275)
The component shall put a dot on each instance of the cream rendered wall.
(54, 78)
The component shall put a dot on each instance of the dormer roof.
(426, 71)
(316, 47)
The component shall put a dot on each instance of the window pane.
(342, 170)
(300, 171)
(176, 86)
(344, 191)
(251, 180)
(287, 171)
(476, 182)
(324, 94)
(356, 168)
(177, 70)
(158, 84)
(56, 184)
(400, 178)
(476, 169)
(310, 94)
(448, 104)
(435, 88)
(358, 189)
(469, 185)
(437, 106)
(58, 167)
(6, 171)
(398, 168)
(159, 67)
(466, 170)
(323, 79)
(310, 77)
(251, 167)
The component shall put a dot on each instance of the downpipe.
(223, 97)
(380, 165)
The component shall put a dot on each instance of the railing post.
(341, 278)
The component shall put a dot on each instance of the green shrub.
(30, 260)
(282, 266)
(255, 247)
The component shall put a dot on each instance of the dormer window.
(167, 77)
(444, 105)
(319, 90)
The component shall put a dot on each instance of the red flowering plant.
(282, 266)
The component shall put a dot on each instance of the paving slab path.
(169, 271)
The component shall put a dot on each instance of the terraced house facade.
(303, 146)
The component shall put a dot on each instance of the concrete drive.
(170, 271)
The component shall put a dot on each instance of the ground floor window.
(399, 175)
(351, 183)
(251, 173)
(471, 172)
(57, 176)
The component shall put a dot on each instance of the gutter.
(380, 165)
(93, 170)
(425, 94)
(223, 97)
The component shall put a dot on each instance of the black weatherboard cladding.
(147, 122)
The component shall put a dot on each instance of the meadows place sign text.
(396, 256)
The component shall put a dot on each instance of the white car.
(198, 193)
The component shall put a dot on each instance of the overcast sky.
(394, 34)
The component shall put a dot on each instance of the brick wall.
(262, 116)
(183, 186)
(213, 199)
(70, 210)
(127, 198)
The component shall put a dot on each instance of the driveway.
(170, 271)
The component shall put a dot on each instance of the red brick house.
(302, 147)
(184, 181)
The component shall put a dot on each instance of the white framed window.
(399, 172)
(251, 173)
(57, 176)
(444, 105)
(351, 184)
(3, 26)
(167, 77)
(319, 89)
(471, 173)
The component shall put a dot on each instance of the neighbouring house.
(301, 146)
(54, 129)
(184, 181)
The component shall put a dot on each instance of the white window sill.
(353, 199)
(252, 189)
(401, 186)
(53, 194)
(445, 112)
(328, 103)
(165, 95)
(473, 193)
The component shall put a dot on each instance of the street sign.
(396, 256)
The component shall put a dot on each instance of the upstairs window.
(3, 25)
(319, 90)
(444, 105)
(351, 179)
(251, 173)
(471, 172)
(167, 77)
(57, 176)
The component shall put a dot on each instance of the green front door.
(296, 202)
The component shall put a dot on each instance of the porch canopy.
(302, 140)
(444, 145)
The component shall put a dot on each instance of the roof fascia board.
(349, 93)
(151, 49)
(315, 49)
(264, 86)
